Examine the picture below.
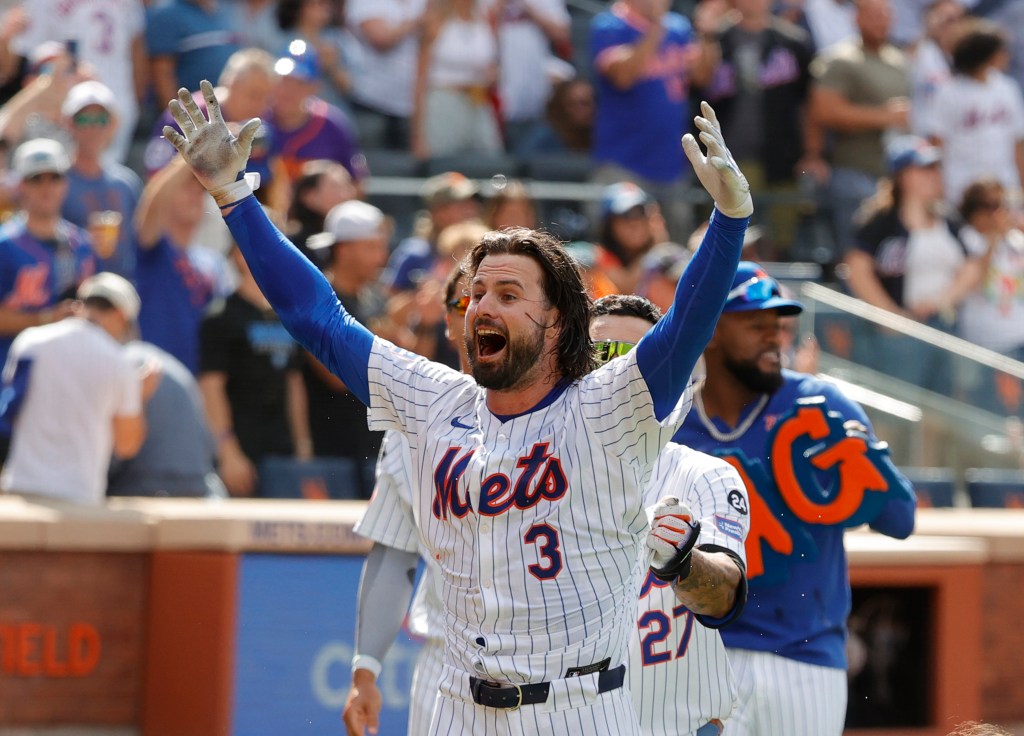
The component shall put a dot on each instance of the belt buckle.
(519, 695)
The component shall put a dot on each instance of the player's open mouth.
(489, 342)
(771, 357)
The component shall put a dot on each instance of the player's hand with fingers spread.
(216, 157)
(362, 708)
(673, 534)
(718, 171)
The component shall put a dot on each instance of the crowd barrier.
(184, 617)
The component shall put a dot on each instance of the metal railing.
(956, 421)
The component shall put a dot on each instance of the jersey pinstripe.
(781, 695)
(678, 672)
(610, 714)
(425, 678)
(389, 520)
(532, 585)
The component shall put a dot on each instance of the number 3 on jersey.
(658, 627)
(545, 537)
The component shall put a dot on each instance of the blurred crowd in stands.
(893, 130)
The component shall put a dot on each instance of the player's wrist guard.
(366, 662)
(678, 567)
(231, 194)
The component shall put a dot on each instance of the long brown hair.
(563, 288)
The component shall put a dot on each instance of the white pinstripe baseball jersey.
(678, 671)
(780, 695)
(389, 520)
(536, 521)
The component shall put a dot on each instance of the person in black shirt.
(356, 236)
(251, 384)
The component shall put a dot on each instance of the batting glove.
(718, 171)
(673, 534)
(216, 157)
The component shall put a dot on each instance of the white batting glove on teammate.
(718, 171)
(673, 534)
(216, 157)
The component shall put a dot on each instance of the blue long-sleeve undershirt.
(308, 307)
(668, 353)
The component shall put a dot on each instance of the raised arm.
(668, 353)
(300, 294)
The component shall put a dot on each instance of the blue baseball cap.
(910, 150)
(754, 290)
(299, 61)
(618, 199)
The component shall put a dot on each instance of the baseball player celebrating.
(529, 474)
(813, 468)
(386, 585)
(679, 675)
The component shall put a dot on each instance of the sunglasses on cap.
(459, 304)
(90, 119)
(756, 289)
(605, 350)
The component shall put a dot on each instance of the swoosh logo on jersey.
(460, 425)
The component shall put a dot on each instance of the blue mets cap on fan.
(620, 198)
(754, 290)
(910, 150)
(299, 61)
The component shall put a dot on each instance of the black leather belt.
(496, 695)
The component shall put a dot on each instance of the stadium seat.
(318, 479)
(386, 162)
(559, 167)
(371, 128)
(475, 165)
(935, 487)
(993, 489)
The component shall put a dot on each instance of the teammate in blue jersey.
(530, 474)
(813, 468)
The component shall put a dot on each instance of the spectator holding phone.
(106, 36)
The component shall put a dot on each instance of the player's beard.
(522, 355)
(752, 377)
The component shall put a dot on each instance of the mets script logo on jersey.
(823, 471)
(539, 478)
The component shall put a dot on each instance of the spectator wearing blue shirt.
(177, 276)
(98, 187)
(43, 257)
(188, 41)
(645, 60)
